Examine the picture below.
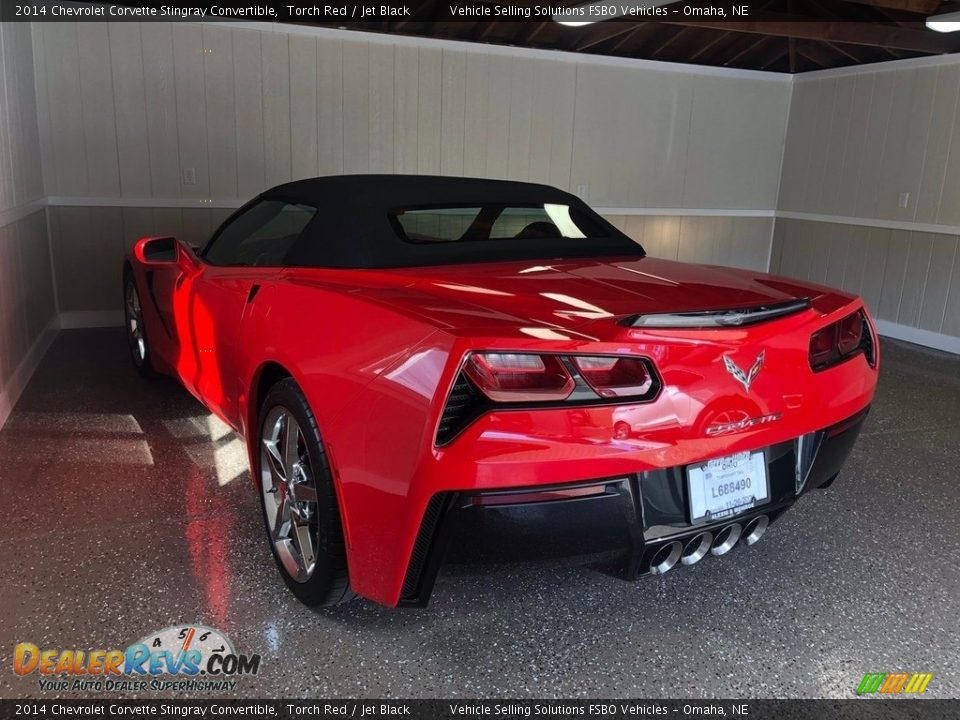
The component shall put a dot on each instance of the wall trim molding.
(21, 376)
(490, 49)
(918, 336)
(12, 215)
(233, 203)
(127, 202)
(909, 225)
(688, 212)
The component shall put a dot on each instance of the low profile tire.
(299, 503)
(136, 330)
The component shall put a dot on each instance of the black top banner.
(347, 13)
(869, 708)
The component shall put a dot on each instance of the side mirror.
(157, 251)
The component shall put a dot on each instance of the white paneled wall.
(27, 302)
(737, 241)
(130, 110)
(858, 141)
(871, 193)
(648, 139)
(20, 178)
(907, 278)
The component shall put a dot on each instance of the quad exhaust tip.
(725, 539)
(696, 549)
(755, 529)
(665, 558)
(668, 555)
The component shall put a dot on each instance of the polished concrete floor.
(126, 508)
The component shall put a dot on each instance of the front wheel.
(136, 331)
(298, 499)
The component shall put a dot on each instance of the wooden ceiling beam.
(751, 47)
(677, 34)
(708, 46)
(817, 53)
(531, 34)
(829, 12)
(847, 51)
(483, 30)
(853, 33)
(777, 51)
(599, 34)
(641, 33)
(921, 7)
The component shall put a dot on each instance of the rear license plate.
(727, 486)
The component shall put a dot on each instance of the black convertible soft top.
(355, 224)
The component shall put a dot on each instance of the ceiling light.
(946, 22)
(592, 12)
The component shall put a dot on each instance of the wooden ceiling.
(788, 36)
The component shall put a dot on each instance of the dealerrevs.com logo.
(177, 658)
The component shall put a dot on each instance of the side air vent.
(413, 581)
(463, 405)
(866, 343)
(717, 318)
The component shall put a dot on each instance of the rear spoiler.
(717, 318)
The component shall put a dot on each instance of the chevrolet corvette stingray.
(430, 369)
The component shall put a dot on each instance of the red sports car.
(429, 367)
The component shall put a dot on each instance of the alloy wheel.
(134, 313)
(289, 493)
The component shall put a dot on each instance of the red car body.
(376, 352)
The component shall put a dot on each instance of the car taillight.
(614, 376)
(850, 331)
(840, 340)
(491, 381)
(519, 377)
(823, 346)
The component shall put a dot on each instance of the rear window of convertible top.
(424, 225)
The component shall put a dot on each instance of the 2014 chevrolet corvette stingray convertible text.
(429, 367)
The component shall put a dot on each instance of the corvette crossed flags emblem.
(745, 379)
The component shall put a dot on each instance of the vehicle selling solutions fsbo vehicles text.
(549, 11)
(594, 11)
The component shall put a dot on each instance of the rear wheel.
(136, 331)
(299, 503)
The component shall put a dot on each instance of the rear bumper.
(621, 523)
